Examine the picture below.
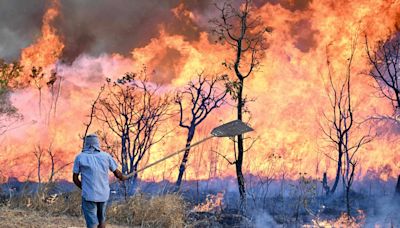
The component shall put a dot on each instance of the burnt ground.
(280, 207)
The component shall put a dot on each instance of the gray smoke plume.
(102, 26)
(94, 26)
(20, 23)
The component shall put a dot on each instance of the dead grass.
(16, 218)
(145, 211)
(23, 218)
(140, 210)
(66, 204)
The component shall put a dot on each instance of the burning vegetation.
(319, 81)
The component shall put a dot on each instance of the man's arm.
(77, 182)
(118, 174)
(114, 168)
(76, 170)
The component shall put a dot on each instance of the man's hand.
(118, 174)
(77, 182)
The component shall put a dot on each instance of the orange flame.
(48, 47)
(289, 92)
(342, 221)
(212, 204)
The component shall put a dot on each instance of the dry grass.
(145, 211)
(66, 204)
(140, 210)
(16, 218)
(27, 218)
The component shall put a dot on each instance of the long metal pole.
(171, 155)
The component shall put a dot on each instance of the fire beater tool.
(230, 129)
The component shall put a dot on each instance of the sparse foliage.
(132, 109)
(239, 28)
(37, 75)
(54, 85)
(91, 115)
(385, 61)
(341, 128)
(39, 152)
(57, 165)
(48, 161)
(9, 73)
(204, 96)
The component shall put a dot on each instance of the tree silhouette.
(341, 128)
(203, 96)
(240, 29)
(385, 62)
(133, 111)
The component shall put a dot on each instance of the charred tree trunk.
(349, 183)
(182, 167)
(52, 171)
(338, 170)
(239, 161)
(348, 201)
(38, 152)
(246, 35)
(40, 102)
(124, 163)
(325, 184)
(204, 97)
(131, 184)
(38, 173)
(124, 157)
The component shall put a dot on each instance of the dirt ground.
(13, 218)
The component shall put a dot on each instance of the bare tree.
(37, 76)
(91, 115)
(48, 162)
(385, 61)
(240, 29)
(55, 90)
(204, 97)
(110, 144)
(39, 153)
(132, 110)
(60, 80)
(259, 188)
(56, 164)
(341, 129)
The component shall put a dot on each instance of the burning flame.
(342, 221)
(213, 204)
(48, 47)
(289, 92)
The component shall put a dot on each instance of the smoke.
(263, 219)
(95, 27)
(384, 212)
(292, 5)
(303, 34)
(111, 26)
(20, 23)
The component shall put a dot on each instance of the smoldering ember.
(228, 113)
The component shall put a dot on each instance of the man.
(93, 165)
